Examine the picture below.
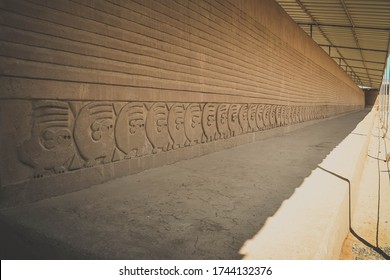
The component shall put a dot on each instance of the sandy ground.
(371, 220)
(203, 208)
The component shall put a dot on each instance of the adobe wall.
(93, 90)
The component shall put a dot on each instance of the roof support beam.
(371, 69)
(353, 59)
(319, 28)
(355, 36)
(344, 26)
(371, 74)
(352, 48)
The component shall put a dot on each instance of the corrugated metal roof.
(355, 33)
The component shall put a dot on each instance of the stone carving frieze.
(67, 135)
(50, 148)
(130, 132)
(94, 132)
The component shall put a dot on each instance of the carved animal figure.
(94, 132)
(209, 122)
(252, 117)
(272, 118)
(157, 128)
(266, 116)
(283, 117)
(259, 117)
(130, 131)
(288, 115)
(243, 118)
(222, 121)
(233, 121)
(176, 128)
(193, 123)
(50, 148)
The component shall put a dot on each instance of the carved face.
(176, 124)
(193, 125)
(53, 138)
(266, 115)
(278, 114)
(211, 120)
(101, 129)
(179, 123)
(195, 120)
(234, 116)
(176, 118)
(252, 113)
(243, 117)
(136, 125)
(94, 131)
(194, 115)
(273, 115)
(130, 134)
(244, 113)
(161, 122)
(223, 116)
(135, 114)
(157, 126)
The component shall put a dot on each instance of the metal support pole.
(387, 98)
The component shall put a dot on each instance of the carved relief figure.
(243, 118)
(193, 123)
(176, 127)
(130, 131)
(272, 118)
(222, 121)
(294, 114)
(278, 115)
(157, 127)
(94, 132)
(288, 115)
(300, 114)
(284, 117)
(233, 121)
(306, 113)
(259, 117)
(266, 116)
(252, 117)
(297, 114)
(209, 122)
(50, 148)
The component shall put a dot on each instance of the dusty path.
(371, 220)
(203, 208)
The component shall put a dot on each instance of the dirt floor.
(370, 239)
(203, 208)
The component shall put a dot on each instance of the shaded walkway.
(203, 208)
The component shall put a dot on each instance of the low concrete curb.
(314, 222)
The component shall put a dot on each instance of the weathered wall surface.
(92, 90)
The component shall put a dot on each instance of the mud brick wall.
(93, 90)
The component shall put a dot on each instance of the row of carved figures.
(72, 135)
